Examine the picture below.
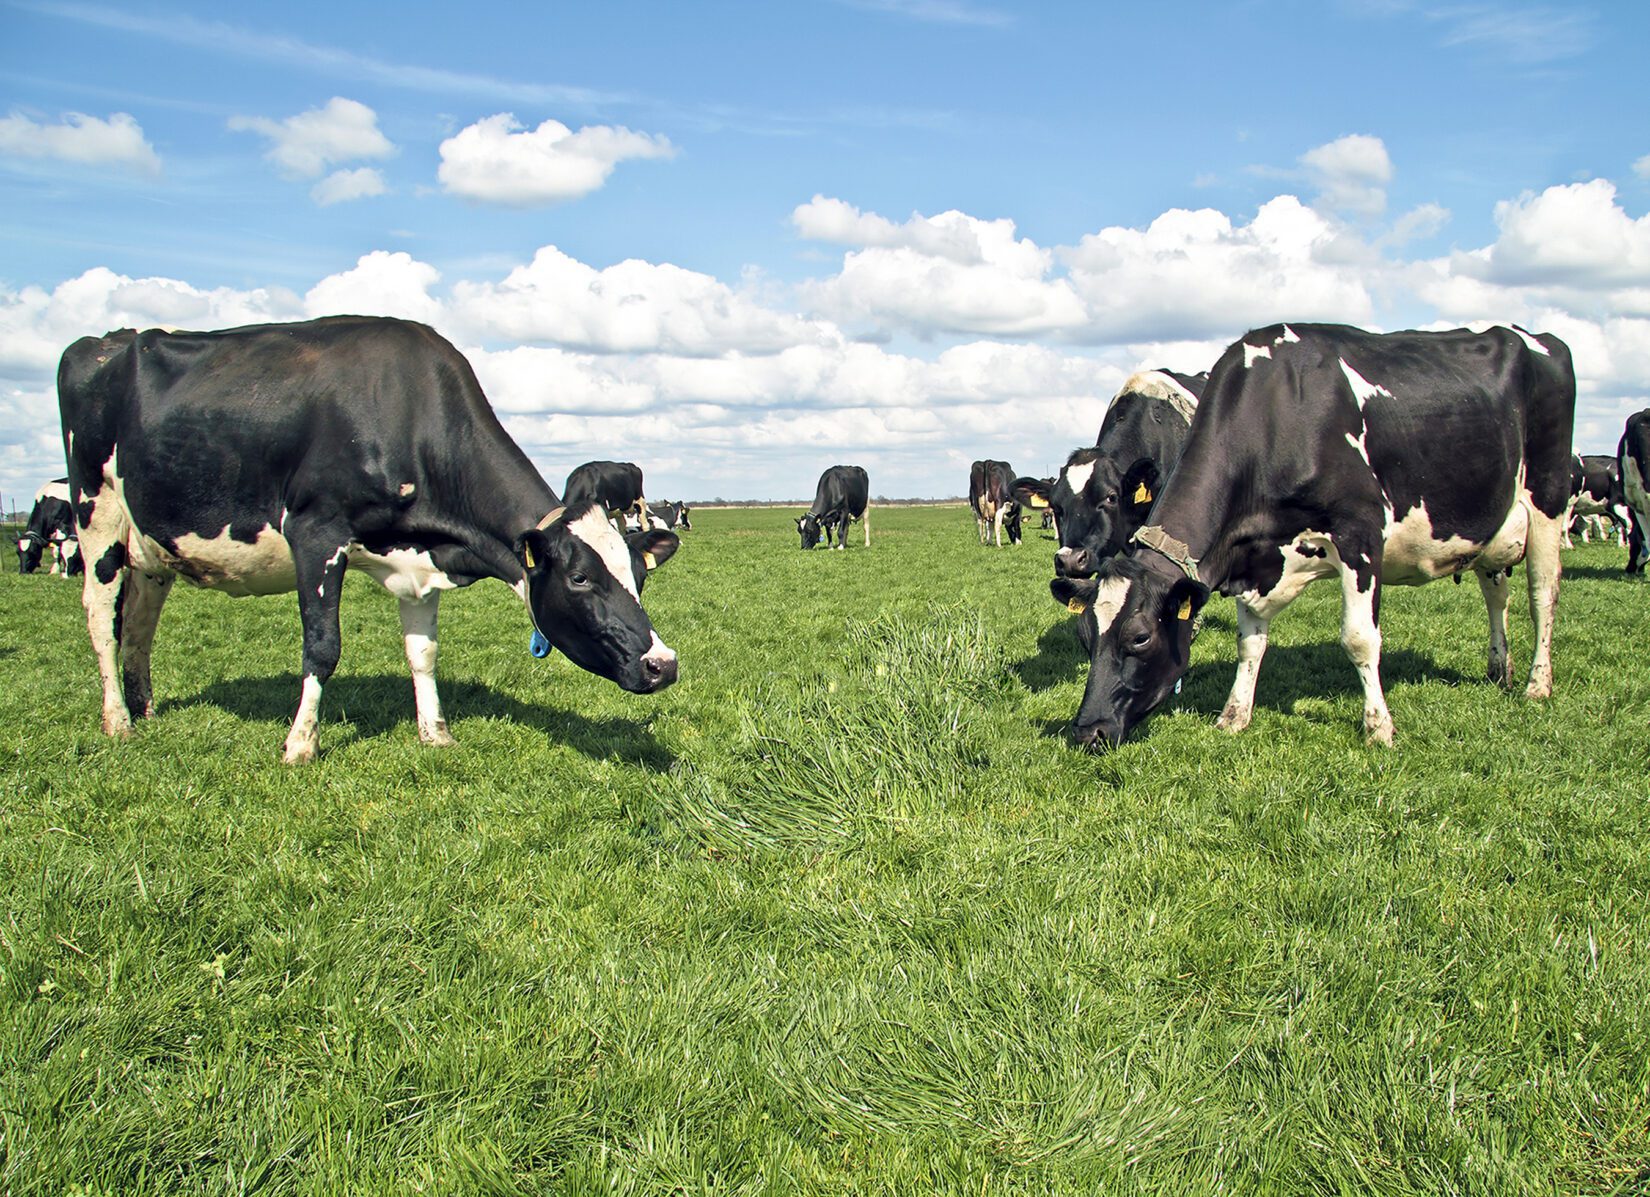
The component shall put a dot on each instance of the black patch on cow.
(111, 563)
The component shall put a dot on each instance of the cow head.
(1138, 627)
(584, 584)
(808, 527)
(29, 549)
(1097, 504)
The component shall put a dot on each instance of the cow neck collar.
(1159, 541)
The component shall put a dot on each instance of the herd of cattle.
(272, 458)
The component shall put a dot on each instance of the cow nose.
(1094, 736)
(659, 671)
(1072, 563)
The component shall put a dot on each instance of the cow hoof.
(1539, 689)
(1501, 674)
(1232, 720)
(298, 754)
(1378, 731)
(438, 737)
(118, 726)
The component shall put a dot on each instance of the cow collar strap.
(1154, 537)
(555, 514)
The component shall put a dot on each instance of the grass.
(841, 912)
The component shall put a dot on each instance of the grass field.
(842, 912)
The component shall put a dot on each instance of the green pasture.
(843, 912)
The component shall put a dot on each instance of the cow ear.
(1138, 489)
(1032, 492)
(654, 547)
(533, 549)
(1074, 594)
(1183, 601)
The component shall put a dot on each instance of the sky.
(740, 242)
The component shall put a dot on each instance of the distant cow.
(1595, 489)
(1326, 451)
(843, 496)
(670, 515)
(1633, 461)
(271, 458)
(50, 533)
(616, 485)
(991, 495)
(1103, 494)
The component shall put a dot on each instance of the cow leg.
(1635, 545)
(1361, 637)
(320, 574)
(1541, 563)
(140, 606)
(867, 519)
(101, 596)
(1497, 590)
(1240, 704)
(997, 526)
(1569, 518)
(418, 623)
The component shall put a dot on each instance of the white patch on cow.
(1298, 571)
(405, 573)
(605, 540)
(221, 562)
(406, 490)
(301, 739)
(1251, 352)
(1154, 384)
(1414, 553)
(1109, 598)
(1077, 476)
(53, 490)
(1362, 389)
(659, 651)
(1289, 337)
(1359, 443)
(25, 543)
(1534, 345)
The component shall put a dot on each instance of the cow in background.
(669, 515)
(50, 530)
(1103, 494)
(1326, 451)
(1595, 490)
(1633, 464)
(616, 485)
(842, 496)
(991, 495)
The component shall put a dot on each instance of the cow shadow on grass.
(1289, 675)
(1596, 571)
(378, 705)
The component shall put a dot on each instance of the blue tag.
(538, 645)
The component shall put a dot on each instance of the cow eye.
(1140, 640)
(580, 580)
(1109, 501)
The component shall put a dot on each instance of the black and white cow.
(1633, 462)
(272, 458)
(616, 485)
(1325, 451)
(1103, 494)
(843, 496)
(669, 515)
(50, 533)
(1595, 490)
(991, 495)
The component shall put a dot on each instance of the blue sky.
(737, 243)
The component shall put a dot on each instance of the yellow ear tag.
(1186, 608)
(1141, 494)
(1038, 501)
(527, 555)
(647, 560)
(1076, 606)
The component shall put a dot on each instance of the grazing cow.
(271, 458)
(669, 515)
(1103, 494)
(1633, 463)
(1595, 490)
(991, 495)
(1326, 451)
(50, 530)
(616, 485)
(843, 496)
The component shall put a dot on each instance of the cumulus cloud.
(379, 284)
(1352, 173)
(307, 145)
(1642, 167)
(1575, 234)
(498, 161)
(341, 186)
(82, 139)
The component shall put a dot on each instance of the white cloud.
(494, 161)
(342, 186)
(1352, 173)
(379, 284)
(307, 145)
(1642, 167)
(1575, 235)
(118, 141)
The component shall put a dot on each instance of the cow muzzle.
(1098, 736)
(1073, 563)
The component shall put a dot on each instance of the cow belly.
(236, 567)
(1414, 554)
(405, 573)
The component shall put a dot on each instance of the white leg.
(302, 739)
(1541, 563)
(140, 607)
(1497, 591)
(1361, 637)
(1240, 704)
(867, 525)
(105, 531)
(418, 630)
